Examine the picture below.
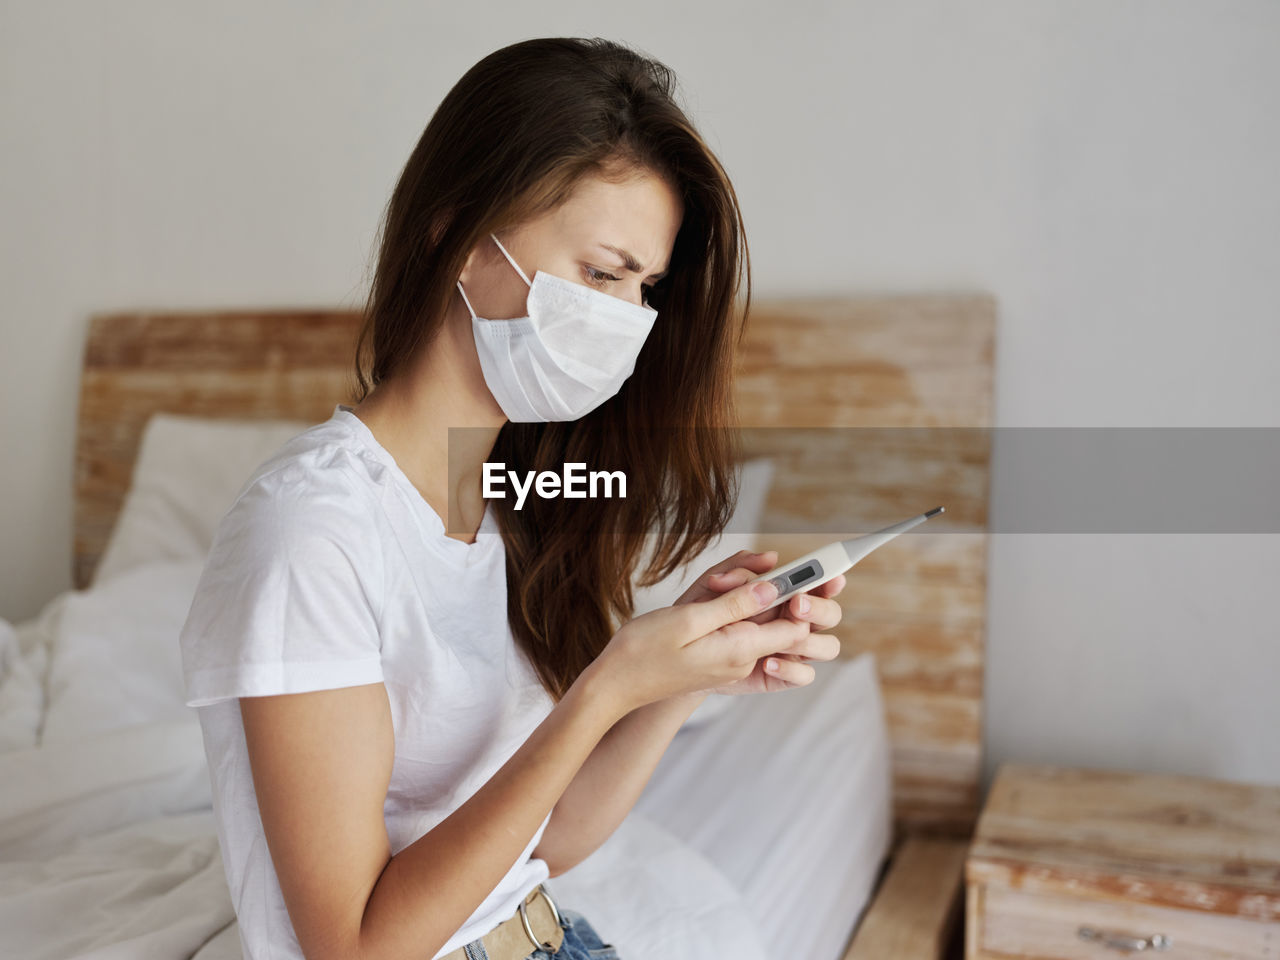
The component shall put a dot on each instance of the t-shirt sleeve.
(290, 597)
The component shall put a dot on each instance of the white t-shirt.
(330, 570)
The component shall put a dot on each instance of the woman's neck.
(411, 415)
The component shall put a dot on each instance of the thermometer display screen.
(801, 575)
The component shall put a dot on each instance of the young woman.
(417, 702)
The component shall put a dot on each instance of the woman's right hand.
(693, 646)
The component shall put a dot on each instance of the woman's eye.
(600, 277)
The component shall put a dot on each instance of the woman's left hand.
(815, 606)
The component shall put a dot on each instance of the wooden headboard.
(892, 398)
(834, 367)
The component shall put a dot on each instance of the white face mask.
(569, 355)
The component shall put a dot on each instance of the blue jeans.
(581, 942)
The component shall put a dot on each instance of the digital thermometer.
(827, 563)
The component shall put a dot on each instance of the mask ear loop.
(510, 260)
(466, 301)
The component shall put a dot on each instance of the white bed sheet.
(108, 849)
(790, 794)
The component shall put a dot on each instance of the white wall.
(1107, 168)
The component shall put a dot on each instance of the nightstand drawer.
(1017, 923)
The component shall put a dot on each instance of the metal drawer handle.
(1119, 941)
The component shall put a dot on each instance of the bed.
(827, 821)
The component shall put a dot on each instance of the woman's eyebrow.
(631, 263)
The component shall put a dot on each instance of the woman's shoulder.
(318, 479)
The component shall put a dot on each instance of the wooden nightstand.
(1091, 864)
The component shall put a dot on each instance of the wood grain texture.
(917, 904)
(245, 365)
(1022, 923)
(894, 398)
(908, 377)
(1190, 843)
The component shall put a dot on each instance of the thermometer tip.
(934, 512)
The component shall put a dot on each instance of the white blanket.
(108, 848)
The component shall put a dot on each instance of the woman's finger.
(814, 646)
(831, 588)
(744, 558)
(752, 564)
(792, 672)
(820, 612)
(727, 574)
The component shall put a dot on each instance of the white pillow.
(188, 473)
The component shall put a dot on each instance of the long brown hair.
(507, 144)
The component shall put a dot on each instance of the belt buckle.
(524, 919)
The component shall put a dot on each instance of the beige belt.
(534, 925)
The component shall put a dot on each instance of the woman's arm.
(611, 781)
(613, 777)
(321, 765)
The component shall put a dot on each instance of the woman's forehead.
(639, 215)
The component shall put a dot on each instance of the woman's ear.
(469, 265)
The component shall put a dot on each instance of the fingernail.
(765, 592)
(771, 666)
(804, 604)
